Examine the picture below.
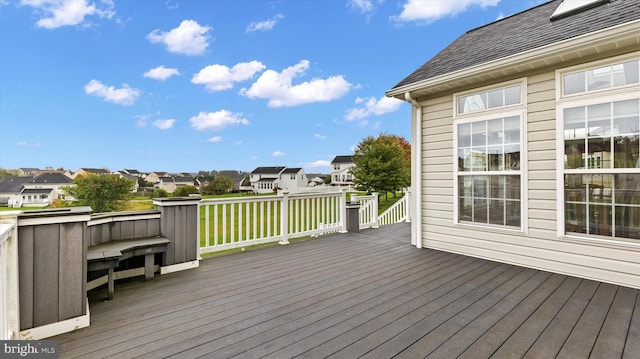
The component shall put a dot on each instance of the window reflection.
(489, 199)
(602, 136)
(603, 204)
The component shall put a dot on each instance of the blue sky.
(184, 85)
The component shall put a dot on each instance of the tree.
(219, 185)
(159, 193)
(103, 193)
(381, 164)
(184, 191)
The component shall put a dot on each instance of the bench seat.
(108, 255)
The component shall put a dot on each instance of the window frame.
(594, 97)
(519, 110)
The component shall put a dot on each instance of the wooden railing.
(240, 222)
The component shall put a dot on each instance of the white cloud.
(161, 73)
(58, 13)
(215, 139)
(264, 25)
(373, 106)
(319, 136)
(216, 120)
(122, 96)
(220, 77)
(27, 144)
(277, 87)
(164, 124)
(278, 154)
(432, 10)
(316, 164)
(190, 38)
(364, 6)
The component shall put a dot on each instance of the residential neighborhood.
(34, 187)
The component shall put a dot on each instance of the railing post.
(10, 301)
(179, 223)
(375, 210)
(284, 219)
(408, 206)
(343, 211)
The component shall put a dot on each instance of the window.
(569, 7)
(485, 100)
(600, 158)
(489, 178)
(601, 78)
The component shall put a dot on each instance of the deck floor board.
(368, 294)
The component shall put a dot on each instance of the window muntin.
(600, 78)
(491, 99)
(602, 135)
(603, 204)
(488, 171)
(600, 145)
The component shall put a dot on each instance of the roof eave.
(615, 37)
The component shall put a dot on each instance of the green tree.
(381, 164)
(220, 185)
(103, 193)
(7, 173)
(160, 193)
(184, 191)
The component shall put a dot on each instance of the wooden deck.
(368, 295)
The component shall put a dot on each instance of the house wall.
(539, 245)
(341, 170)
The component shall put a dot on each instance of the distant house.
(132, 172)
(88, 171)
(526, 139)
(291, 178)
(26, 171)
(39, 190)
(265, 179)
(11, 190)
(340, 171)
(154, 177)
(316, 181)
(171, 183)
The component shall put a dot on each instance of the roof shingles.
(522, 32)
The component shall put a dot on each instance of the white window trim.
(619, 93)
(502, 112)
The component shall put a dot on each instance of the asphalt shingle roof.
(13, 184)
(342, 159)
(522, 32)
(51, 177)
(268, 170)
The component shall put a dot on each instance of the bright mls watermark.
(28, 349)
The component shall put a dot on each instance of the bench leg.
(110, 284)
(148, 266)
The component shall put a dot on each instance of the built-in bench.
(108, 255)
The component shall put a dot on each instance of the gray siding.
(52, 272)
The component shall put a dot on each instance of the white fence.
(239, 222)
(398, 212)
(368, 212)
(9, 296)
